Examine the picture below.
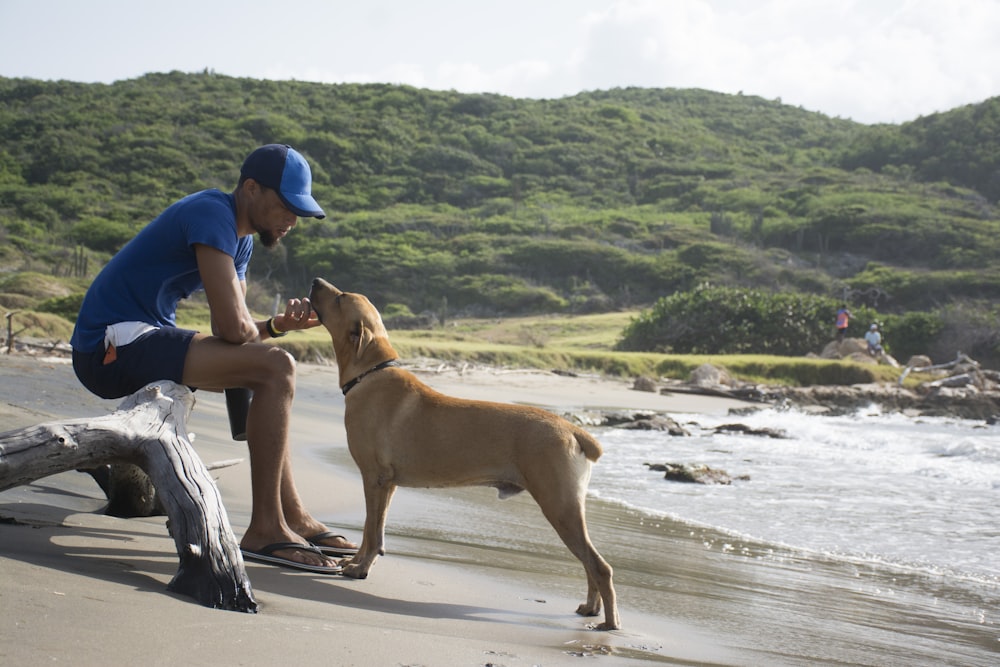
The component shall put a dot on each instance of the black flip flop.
(266, 555)
(331, 551)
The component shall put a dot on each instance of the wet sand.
(467, 579)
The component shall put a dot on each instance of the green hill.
(461, 204)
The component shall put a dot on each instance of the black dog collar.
(385, 364)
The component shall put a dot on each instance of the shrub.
(911, 333)
(102, 235)
(970, 328)
(725, 320)
(66, 307)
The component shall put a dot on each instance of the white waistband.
(123, 333)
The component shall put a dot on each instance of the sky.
(872, 61)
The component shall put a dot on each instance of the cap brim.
(303, 206)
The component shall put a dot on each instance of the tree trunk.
(148, 430)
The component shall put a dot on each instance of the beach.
(466, 580)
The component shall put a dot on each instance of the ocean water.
(921, 495)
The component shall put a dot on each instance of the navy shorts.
(155, 355)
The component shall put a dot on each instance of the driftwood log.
(147, 430)
(960, 358)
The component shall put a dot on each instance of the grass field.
(585, 344)
(570, 343)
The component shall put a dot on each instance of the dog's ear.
(361, 337)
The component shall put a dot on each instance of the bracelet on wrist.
(274, 331)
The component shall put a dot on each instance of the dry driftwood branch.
(960, 358)
(147, 430)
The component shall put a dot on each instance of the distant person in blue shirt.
(874, 340)
(126, 336)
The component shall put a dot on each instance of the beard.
(267, 239)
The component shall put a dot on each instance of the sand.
(467, 580)
(84, 588)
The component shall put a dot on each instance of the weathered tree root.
(147, 430)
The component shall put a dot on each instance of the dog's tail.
(589, 444)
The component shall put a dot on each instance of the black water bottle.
(238, 407)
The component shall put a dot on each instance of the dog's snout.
(319, 284)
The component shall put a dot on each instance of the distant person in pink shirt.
(843, 319)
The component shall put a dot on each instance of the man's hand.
(298, 315)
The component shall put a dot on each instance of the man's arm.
(231, 320)
(227, 302)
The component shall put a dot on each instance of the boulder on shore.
(709, 377)
(694, 473)
(747, 430)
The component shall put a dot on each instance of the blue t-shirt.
(158, 268)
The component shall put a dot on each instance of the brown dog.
(403, 433)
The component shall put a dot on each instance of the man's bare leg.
(300, 520)
(269, 372)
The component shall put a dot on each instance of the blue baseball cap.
(284, 170)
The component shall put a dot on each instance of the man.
(874, 340)
(126, 337)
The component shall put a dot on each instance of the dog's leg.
(378, 495)
(566, 514)
(592, 605)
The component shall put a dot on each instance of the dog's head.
(355, 326)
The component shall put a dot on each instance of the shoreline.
(467, 579)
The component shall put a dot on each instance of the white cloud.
(871, 61)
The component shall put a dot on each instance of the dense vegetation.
(456, 204)
(726, 320)
(729, 320)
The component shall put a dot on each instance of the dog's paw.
(588, 610)
(354, 571)
(604, 627)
